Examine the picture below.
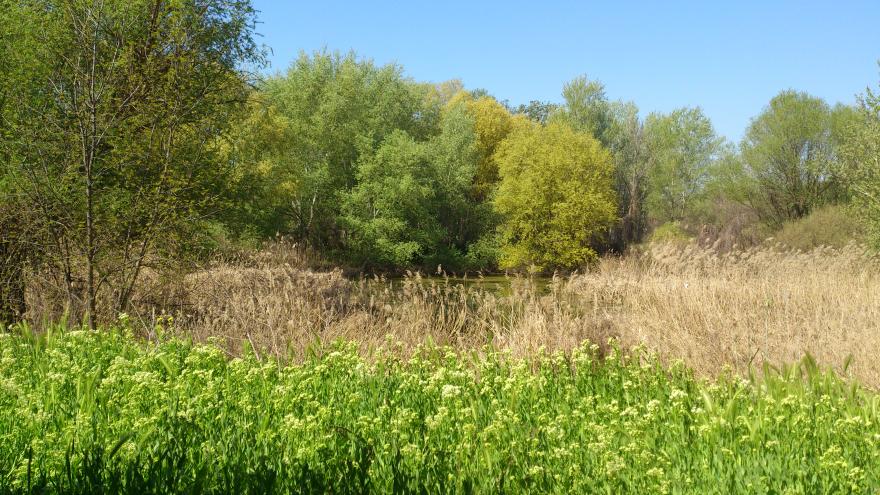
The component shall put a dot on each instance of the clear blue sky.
(729, 57)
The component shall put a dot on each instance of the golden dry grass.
(714, 310)
(708, 309)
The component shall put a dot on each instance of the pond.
(496, 284)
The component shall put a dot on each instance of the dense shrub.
(833, 226)
(670, 232)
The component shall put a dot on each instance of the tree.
(556, 197)
(492, 123)
(683, 146)
(335, 109)
(632, 164)
(789, 150)
(860, 156)
(537, 111)
(412, 203)
(389, 216)
(111, 147)
(617, 126)
(586, 108)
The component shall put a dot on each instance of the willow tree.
(789, 150)
(556, 197)
(112, 140)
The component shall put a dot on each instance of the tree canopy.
(556, 197)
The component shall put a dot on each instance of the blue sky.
(729, 58)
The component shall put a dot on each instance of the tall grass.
(710, 310)
(746, 307)
(99, 412)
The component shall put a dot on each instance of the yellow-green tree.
(556, 196)
(492, 124)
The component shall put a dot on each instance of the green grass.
(85, 412)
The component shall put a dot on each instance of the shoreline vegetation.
(711, 310)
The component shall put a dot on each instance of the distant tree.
(411, 204)
(789, 150)
(683, 147)
(586, 108)
(335, 109)
(632, 164)
(617, 126)
(111, 137)
(556, 197)
(389, 215)
(492, 123)
(537, 111)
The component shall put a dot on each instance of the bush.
(670, 232)
(834, 226)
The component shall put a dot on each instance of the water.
(495, 284)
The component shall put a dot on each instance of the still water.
(496, 284)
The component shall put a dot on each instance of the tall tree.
(860, 156)
(412, 204)
(683, 146)
(632, 165)
(789, 150)
(586, 108)
(537, 111)
(335, 109)
(618, 127)
(492, 124)
(112, 145)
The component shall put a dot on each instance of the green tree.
(586, 108)
(683, 146)
(412, 203)
(111, 147)
(860, 157)
(492, 122)
(537, 111)
(389, 216)
(789, 150)
(556, 197)
(627, 141)
(335, 109)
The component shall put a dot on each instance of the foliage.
(492, 122)
(112, 133)
(586, 108)
(85, 412)
(670, 232)
(683, 147)
(832, 225)
(860, 155)
(537, 111)
(789, 149)
(334, 109)
(412, 203)
(556, 197)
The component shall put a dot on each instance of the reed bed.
(711, 310)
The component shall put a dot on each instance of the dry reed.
(708, 309)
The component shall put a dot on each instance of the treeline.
(377, 170)
(137, 136)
